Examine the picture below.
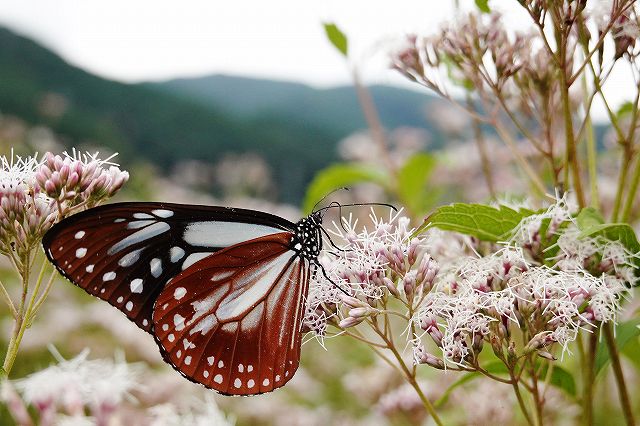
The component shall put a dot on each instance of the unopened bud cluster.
(34, 194)
(79, 178)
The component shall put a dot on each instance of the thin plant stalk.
(619, 376)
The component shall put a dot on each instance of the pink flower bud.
(359, 312)
(350, 322)
(352, 301)
(391, 287)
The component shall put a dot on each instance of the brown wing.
(233, 320)
(125, 253)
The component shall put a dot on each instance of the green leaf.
(621, 232)
(484, 222)
(412, 179)
(483, 6)
(589, 217)
(625, 108)
(564, 380)
(624, 333)
(336, 37)
(338, 176)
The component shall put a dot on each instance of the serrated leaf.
(337, 38)
(412, 182)
(338, 176)
(624, 333)
(481, 221)
(483, 6)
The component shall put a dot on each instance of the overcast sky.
(139, 40)
(157, 39)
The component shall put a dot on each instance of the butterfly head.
(307, 239)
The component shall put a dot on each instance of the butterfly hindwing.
(126, 253)
(233, 321)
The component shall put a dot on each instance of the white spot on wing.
(171, 337)
(265, 382)
(175, 254)
(156, 267)
(136, 286)
(137, 224)
(220, 364)
(81, 252)
(162, 213)
(142, 216)
(79, 235)
(224, 234)
(250, 383)
(130, 258)
(89, 268)
(129, 305)
(179, 293)
(178, 321)
(109, 276)
(205, 325)
(193, 258)
(205, 373)
(218, 378)
(240, 368)
(187, 360)
(139, 236)
(210, 360)
(237, 383)
(165, 327)
(145, 322)
(250, 368)
(120, 299)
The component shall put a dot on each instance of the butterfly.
(222, 290)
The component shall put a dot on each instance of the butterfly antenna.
(325, 197)
(336, 204)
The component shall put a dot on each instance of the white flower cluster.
(100, 384)
(380, 259)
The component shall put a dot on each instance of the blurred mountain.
(295, 128)
(334, 108)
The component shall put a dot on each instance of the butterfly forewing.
(126, 253)
(233, 321)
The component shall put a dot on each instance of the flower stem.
(571, 155)
(589, 379)
(482, 150)
(523, 406)
(617, 371)
(409, 376)
(25, 312)
(626, 212)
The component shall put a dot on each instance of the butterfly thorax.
(307, 240)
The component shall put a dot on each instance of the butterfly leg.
(324, 272)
